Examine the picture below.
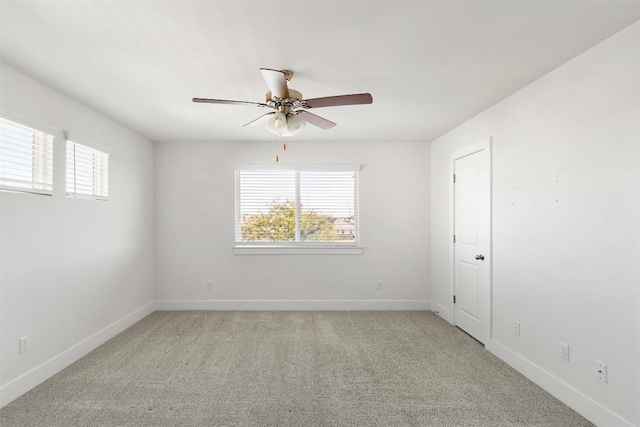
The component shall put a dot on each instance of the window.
(87, 171)
(26, 159)
(297, 207)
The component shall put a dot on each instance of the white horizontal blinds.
(265, 205)
(328, 206)
(87, 172)
(26, 158)
(297, 206)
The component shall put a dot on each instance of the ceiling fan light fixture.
(284, 121)
(285, 124)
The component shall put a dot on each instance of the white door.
(472, 297)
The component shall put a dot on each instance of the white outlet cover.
(564, 351)
(516, 328)
(23, 344)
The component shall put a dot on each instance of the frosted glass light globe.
(278, 123)
(294, 124)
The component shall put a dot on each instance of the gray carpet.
(289, 369)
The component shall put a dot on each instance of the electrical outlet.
(564, 351)
(23, 344)
(210, 284)
(379, 284)
(601, 371)
(516, 328)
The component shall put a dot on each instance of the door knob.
(480, 257)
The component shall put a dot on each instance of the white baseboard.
(584, 405)
(294, 305)
(442, 311)
(19, 386)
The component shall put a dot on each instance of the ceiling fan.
(291, 115)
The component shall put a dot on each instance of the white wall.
(73, 272)
(195, 231)
(565, 219)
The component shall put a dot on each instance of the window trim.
(82, 140)
(298, 248)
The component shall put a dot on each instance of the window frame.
(34, 126)
(297, 247)
(73, 138)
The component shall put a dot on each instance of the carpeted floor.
(289, 369)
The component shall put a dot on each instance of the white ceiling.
(430, 65)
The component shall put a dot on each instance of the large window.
(26, 159)
(87, 172)
(306, 206)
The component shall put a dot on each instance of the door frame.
(486, 300)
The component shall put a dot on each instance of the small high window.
(26, 159)
(87, 172)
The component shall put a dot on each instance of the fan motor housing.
(293, 95)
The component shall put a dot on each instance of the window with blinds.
(26, 159)
(301, 207)
(87, 172)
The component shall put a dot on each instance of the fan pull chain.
(284, 147)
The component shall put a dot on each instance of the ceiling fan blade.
(333, 101)
(276, 81)
(260, 120)
(226, 101)
(315, 120)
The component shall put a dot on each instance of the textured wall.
(565, 220)
(195, 207)
(72, 267)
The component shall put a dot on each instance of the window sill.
(296, 250)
